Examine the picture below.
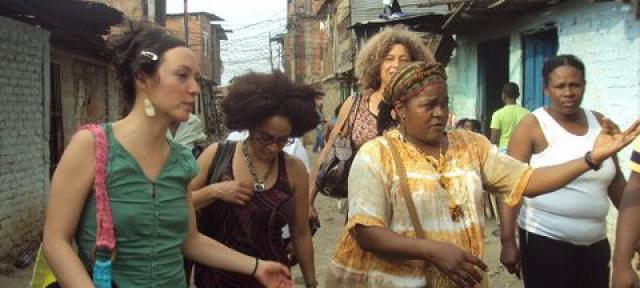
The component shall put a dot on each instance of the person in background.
(473, 125)
(628, 229)
(319, 139)
(563, 235)
(189, 133)
(505, 120)
(147, 181)
(262, 193)
(461, 122)
(332, 123)
(375, 64)
(445, 173)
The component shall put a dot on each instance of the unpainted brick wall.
(24, 134)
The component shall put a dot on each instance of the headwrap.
(411, 80)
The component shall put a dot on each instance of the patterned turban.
(411, 80)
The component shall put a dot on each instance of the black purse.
(220, 161)
(333, 173)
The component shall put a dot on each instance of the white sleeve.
(297, 149)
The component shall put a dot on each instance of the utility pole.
(186, 23)
(270, 53)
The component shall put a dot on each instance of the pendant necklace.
(440, 166)
(258, 184)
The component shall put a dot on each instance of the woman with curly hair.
(416, 193)
(376, 62)
(262, 191)
(146, 178)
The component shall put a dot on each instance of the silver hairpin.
(150, 55)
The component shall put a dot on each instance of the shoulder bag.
(333, 173)
(105, 235)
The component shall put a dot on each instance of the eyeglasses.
(266, 139)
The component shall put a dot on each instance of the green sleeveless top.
(150, 218)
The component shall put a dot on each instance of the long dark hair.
(126, 51)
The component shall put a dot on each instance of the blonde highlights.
(371, 55)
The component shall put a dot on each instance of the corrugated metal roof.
(411, 7)
(370, 10)
(365, 10)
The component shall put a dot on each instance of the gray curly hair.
(371, 55)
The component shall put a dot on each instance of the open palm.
(611, 140)
(273, 275)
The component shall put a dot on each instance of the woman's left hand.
(273, 275)
(611, 140)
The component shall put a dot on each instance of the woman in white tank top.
(563, 241)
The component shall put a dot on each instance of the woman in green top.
(147, 179)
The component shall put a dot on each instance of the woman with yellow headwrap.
(444, 175)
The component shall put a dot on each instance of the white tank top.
(577, 212)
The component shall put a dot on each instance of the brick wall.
(305, 42)
(24, 130)
(198, 23)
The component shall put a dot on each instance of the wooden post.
(186, 23)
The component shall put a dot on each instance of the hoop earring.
(149, 110)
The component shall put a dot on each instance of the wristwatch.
(589, 161)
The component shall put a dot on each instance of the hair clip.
(150, 55)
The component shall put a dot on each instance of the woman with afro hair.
(262, 191)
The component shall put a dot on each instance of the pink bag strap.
(105, 236)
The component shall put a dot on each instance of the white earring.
(149, 110)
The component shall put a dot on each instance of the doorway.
(56, 132)
(493, 72)
(538, 47)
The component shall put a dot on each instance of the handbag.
(219, 163)
(333, 173)
(105, 236)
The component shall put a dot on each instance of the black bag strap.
(223, 156)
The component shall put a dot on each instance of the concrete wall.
(24, 126)
(606, 36)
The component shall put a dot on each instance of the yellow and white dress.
(472, 165)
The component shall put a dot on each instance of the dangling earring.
(404, 132)
(149, 110)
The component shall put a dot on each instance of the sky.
(251, 22)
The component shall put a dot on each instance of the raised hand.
(273, 275)
(611, 140)
(510, 257)
(459, 265)
(235, 192)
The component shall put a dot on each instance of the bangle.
(311, 285)
(255, 268)
(589, 161)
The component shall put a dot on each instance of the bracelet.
(255, 268)
(589, 161)
(311, 285)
